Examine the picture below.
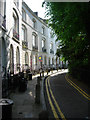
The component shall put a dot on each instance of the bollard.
(43, 73)
(37, 98)
(38, 80)
(12, 82)
(30, 76)
(47, 72)
(40, 75)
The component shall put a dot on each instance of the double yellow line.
(77, 88)
(55, 102)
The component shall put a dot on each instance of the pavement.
(24, 102)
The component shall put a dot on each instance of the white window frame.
(34, 23)
(14, 23)
(43, 43)
(24, 33)
(34, 40)
(51, 45)
(16, 20)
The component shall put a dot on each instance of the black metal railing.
(44, 49)
(25, 44)
(2, 21)
(35, 47)
(51, 51)
(15, 34)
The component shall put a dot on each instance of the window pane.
(34, 24)
(23, 34)
(23, 15)
(33, 40)
(43, 43)
(14, 23)
(51, 46)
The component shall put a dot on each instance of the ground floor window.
(36, 59)
(53, 61)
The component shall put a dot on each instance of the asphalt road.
(63, 100)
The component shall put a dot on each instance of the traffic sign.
(40, 58)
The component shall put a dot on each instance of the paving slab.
(24, 102)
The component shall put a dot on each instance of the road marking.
(59, 110)
(78, 88)
(51, 104)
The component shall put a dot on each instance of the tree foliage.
(70, 21)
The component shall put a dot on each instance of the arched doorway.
(17, 59)
(26, 61)
(11, 60)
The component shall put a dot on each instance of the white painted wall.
(29, 26)
(9, 27)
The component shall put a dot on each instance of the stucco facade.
(27, 37)
(38, 29)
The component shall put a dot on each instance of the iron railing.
(51, 51)
(43, 49)
(35, 47)
(25, 44)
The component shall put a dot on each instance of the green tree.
(70, 21)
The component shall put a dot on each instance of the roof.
(35, 14)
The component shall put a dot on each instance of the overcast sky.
(36, 6)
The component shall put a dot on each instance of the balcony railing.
(15, 34)
(25, 44)
(43, 49)
(51, 51)
(2, 21)
(35, 47)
